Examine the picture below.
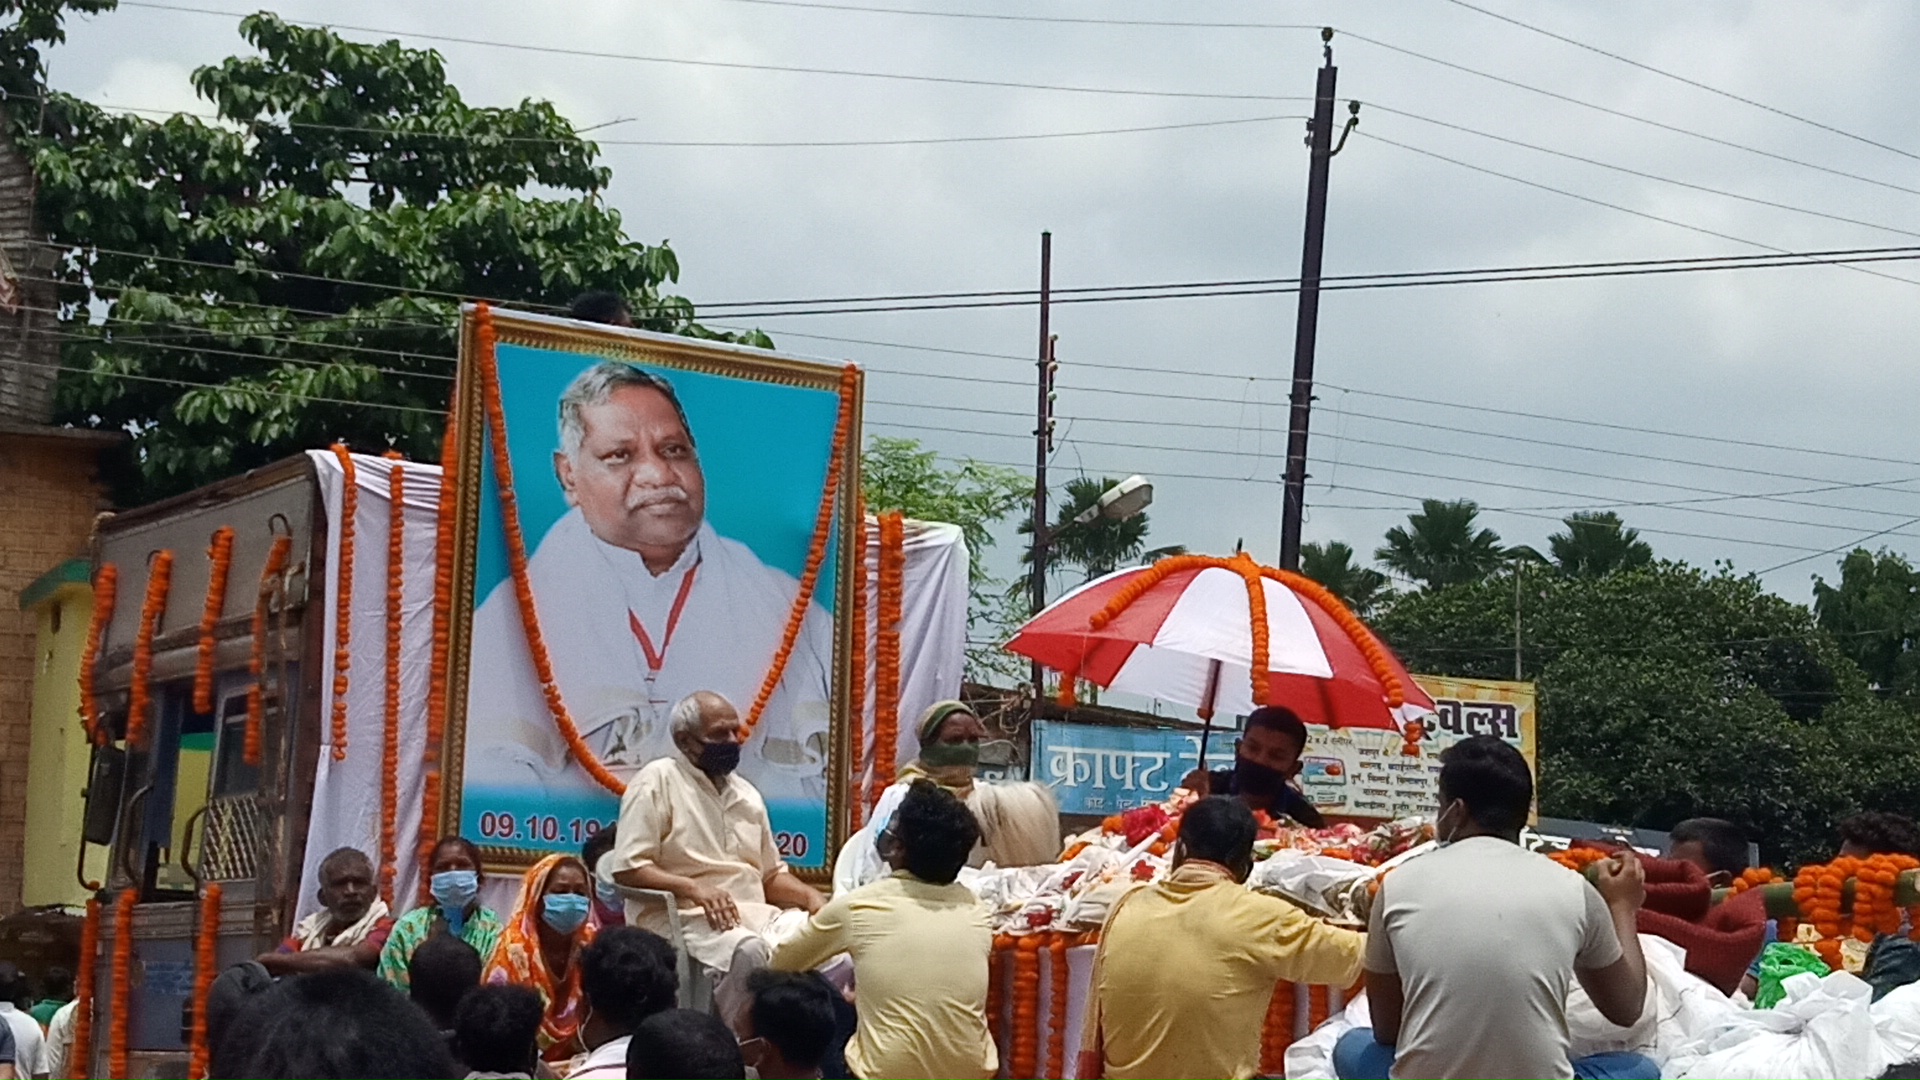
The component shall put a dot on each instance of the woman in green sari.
(455, 910)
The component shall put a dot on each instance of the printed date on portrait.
(539, 828)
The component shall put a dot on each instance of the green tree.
(1331, 564)
(1596, 544)
(1874, 613)
(896, 474)
(239, 290)
(1442, 544)
(1100, 546)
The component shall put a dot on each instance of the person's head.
(230, 992)
(14, 988)
(707, 729)
(606, 898)
(1717, 847)
(497, 1029)
(565, 896)
(1268, 753)
(627, 460)
(1218, 829)
(789, 1027)
(931, 834)
(626, 975)
(442, 972)
(601, 306)
(347, 887)
(1485, 790)
(681, 1044)
(56, 984)
(344, 1023)
(950, 738)
(1877, 832)
(456, 870)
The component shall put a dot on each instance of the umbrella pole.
(1206, 709)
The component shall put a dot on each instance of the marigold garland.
(1023, 1053)
(444, 526)
(1276, 1034)
(122, 984)
(1319, 1006)
(997, 991)
(80, 1056)
(1057, 1005)
(816, 553)
(206, 964)
(343, 601)
(140, 693)
(886, 653)
(857, 677)
(1579, 858)
(257, 657)
(1754, 877)
(220, 555)
(105, 589)
(1819, 894)
(390, 735)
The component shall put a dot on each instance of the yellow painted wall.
(57, 758)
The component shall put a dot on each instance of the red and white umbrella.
(1182, 630)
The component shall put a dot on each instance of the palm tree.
(1100, 546)
(1598, 544)
(1331, 564)
(1441, 545)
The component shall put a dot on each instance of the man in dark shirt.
(1265, 761)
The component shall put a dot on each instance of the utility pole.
(1518, 565)
(1300, 395)
(1042, 445)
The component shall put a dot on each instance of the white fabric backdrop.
(346, 800)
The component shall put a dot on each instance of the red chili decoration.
(140, 693)
(220, 555)
(104, 591)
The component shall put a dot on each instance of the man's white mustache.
(655, 496)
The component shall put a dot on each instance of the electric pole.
(1300, 395)
(1042, 445)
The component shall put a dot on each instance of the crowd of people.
(888, 977)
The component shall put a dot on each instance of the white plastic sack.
(1311, 1058)
(1314, 882)
(1824, 1030)
(1896, 1019)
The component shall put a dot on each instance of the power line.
(1844, 547)
(1689, 82)
(1056, 19)
(188, 384)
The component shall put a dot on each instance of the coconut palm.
(1100, 546)
(1331, 564)
(1442, 544)
(1598, 544)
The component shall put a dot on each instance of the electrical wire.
(1890, 530)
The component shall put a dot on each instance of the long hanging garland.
(277, 556)
(1057, 1002)
(140, 693)
(1023, 1057)
(122, 984)
(80, 1057)
(886, 652)
(343, 601)
(444, 525)
(105, 590)
(390, 741)
(206, 963)
(220, 556)
(857, 677)
(1276, 1034)
(1003, 944)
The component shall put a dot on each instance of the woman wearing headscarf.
(1019, 821)
(540, 946)
(456, 910)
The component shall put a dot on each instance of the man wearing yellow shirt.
(1187, 965)
(920, 944)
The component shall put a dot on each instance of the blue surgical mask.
(453, 890)
(608, 892)
(564, 912)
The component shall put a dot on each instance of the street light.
(1123, 500)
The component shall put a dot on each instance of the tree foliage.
(236, 290)
(1595, 544)
(1442, 544)
(1332, 565)
(1874, 613)
(1102, 545)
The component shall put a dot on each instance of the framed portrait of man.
(669, 491)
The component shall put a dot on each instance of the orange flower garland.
(997, 991)
(1277, 1033)
(140, 693)
(816, 554)
(343, 601)
(444, 526)
(1753, 877)
(1579, 858)
(220, 554)
(1023, 1056)
(1318, 1006)
(257, 659)
(1819, 893)
(390, 736)
(80, 1056)
(886, 653)
(857, 677)
(1057, 1006)
(122, 984)
(206, 964)
(104, 592)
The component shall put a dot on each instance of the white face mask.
(1444, 833)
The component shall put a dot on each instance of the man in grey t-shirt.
(1471, 949)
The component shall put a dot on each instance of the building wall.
(48, 500)
(58, 764)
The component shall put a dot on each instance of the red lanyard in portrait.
(656, 659)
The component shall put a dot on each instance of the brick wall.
(48, 500)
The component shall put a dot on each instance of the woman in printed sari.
(455, 889)
(540, 947)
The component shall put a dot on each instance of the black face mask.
(719, 759)
(1260, 781)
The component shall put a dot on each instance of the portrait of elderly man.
(641, 603)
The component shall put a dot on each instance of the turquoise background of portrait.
(763, 449)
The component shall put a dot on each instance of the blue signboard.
(1095, 769)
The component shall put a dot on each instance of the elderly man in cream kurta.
(691, 826)
(641, 603)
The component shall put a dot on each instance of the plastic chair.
(695, 978)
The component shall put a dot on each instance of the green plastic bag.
(1778, 962)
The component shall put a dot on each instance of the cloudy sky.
(1707, 408)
